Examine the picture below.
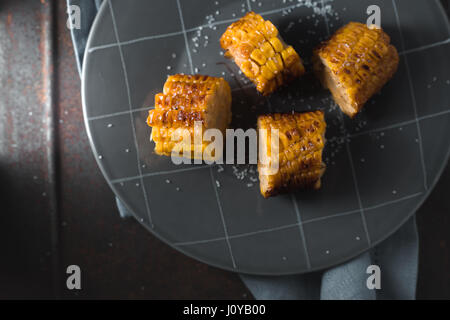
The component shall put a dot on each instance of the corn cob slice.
(184, 101)
(301, 141)
(355, 64)
(261, 53)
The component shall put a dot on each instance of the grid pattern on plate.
(213, 183)
(181, 32)
(413, 97)
(124, 67)
(349, 153)
(299, 223)
(294, 202)
(228, 21)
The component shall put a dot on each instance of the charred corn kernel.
(267, 73)
(245, 50)
(301, 139)
(292, 62)
(297, 69)
(271, 65)
(241, 34)
(355, 63)
(279, 79)
(259, 57)
(187, 100)
(267, 50)
(251, 38)
(264, 85)
(166, 141)
(289, 56)
(256, 37)
(275, 64)
(253, 18)
(276, 44)
(278, 62)
(271, 30)
(250, 69)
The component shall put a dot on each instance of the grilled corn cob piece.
(260, 53)
(355, 64)
(299, 163)
(184, 101)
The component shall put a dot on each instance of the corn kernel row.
(260, 53)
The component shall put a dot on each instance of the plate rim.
(337, 262)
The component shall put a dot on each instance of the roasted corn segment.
(355, 64)
(296, 160)
(185, 101)
(260, 53)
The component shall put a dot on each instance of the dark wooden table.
(57, 210)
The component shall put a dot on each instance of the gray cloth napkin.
(397, 257)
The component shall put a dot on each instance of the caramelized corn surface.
(355, 63)
(301, 142)
(260, 53)
(187, 99)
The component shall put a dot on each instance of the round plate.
(380, 166)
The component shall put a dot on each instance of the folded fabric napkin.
(397, 257)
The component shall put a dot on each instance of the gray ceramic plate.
(381, 165)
